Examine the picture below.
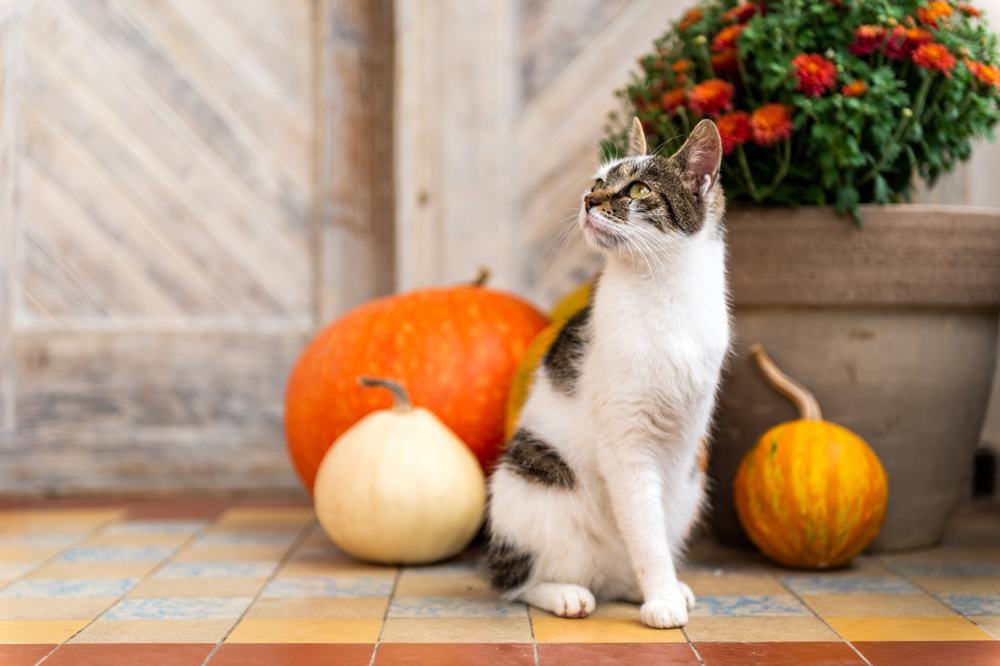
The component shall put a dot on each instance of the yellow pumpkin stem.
(803, 400)
(400, 398)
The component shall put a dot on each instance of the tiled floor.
(251, 584)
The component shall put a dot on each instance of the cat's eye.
(639, 190)
(598, 184)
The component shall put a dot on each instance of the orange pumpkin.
(455, 349)
(810, 494)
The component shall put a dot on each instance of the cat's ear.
(701, 157)
(636, 139)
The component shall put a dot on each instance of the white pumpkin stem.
(803, 400)
(400, 398)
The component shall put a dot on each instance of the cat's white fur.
(630, 433)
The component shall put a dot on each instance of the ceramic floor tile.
(930, 653)
(824, 584)
(598, 629)
(202, 553)
(988, 623)
(33, 540)
(23, 655)
(154, 631)
(778, 654)
(455, 607)
(615, 654)
(173, 510)
(299, 654)
(321, 566)
(305, 630)
(28, 554)
(216, 570)
(328, 586)
(54, 609)
(461, 654)
(93, 554)
(457, 630)
(243, 539)
(716, 585)
(757, 629)
(981, 568)
(38, 631)
(130, 655)
(973, 604)
(465, 586)
(731, 605)
(875, 604)
(945, 628)
(184, 528)
(65, 518)
(370, 608)
(180, 608)
(93, 570)
(959, 584)
(66, 588)
(10, 571)
(105, 539)
(198, 587)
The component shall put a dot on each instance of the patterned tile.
(216, 570)
(143, 527)
(94, 570)
(178, 608)
(360, 586)
(203, 553)
(455, 607)
(326, 566)
(757, 629)
(305, 630)
(959, 584)
(300, 654)
(988, 623)
(154, 631)
(944, 628)
(38, 631)
(820, 584)
(451, 567)
(429, 585)
(247, 539)
(970, 604)
(30, 587)
(748, 605)
(198, 587)
(457, 630)
(87, 554)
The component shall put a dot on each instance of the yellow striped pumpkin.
(810, 494)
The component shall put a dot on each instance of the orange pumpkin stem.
(803, 400)
(482, 277)
(400, 398)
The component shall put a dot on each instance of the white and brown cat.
(600, 486)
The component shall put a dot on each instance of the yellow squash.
(810, 494)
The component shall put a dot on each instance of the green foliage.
(843, 150)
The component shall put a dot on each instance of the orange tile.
(23, 655)
(305, 630)
(299, 654)
(461, 654)
(779, 654)
(930, 653)
(615, 654)
(130, 654)
(930, 628)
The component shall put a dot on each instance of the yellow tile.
(54, 609)
(457, 630)
(988, 623)
(946, 628)
(758, 629)
(618, 610)
(363, 608)
(597, 629)
(305, 630)
(198, 587)
(154, 631)
(729, 584)
(91, 517)
(28, 553)
(959, 584)
(38, 631)
(303, 567)
(462, 585)
(260, 517)
(900, 605)
(77, 570)
(198, 553)
(137, 539)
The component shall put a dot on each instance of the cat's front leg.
(636, 490)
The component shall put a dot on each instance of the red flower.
(969, 10)
(770, 124)
(734, 128)
(855, 88)
(933, 12)
(681, 66)
(741, 13)
(673, 99)
(986, 74)
(902, 41)
(724, 61)
(711, 97)
(934, 56)
(815, 73)
(690, 18)
(867, 38)
(726, 39)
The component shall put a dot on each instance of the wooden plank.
(455, 98)
(354, 223)
(906, 255)
(129, 412)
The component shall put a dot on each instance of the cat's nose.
(590, 200)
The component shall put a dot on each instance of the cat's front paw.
(688, 594)
(665, 613)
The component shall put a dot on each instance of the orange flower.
(855, 88)
(690, 18)
(711, 97)
(734, 128)
(741, 13)
(770, 124)
(724, 61)
(988, 75)
(933, 12)
(681, 66)
(902, 41)
(726, 39)
(815, 73)
(969, 10)
(867, 38)
(934, 56)
(673, 99)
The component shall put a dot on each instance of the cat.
(600, 486)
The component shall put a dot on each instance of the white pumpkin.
(399, 487)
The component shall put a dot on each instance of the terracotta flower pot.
(893, 327)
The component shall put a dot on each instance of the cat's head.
(646, 204)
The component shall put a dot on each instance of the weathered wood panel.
(135, 412)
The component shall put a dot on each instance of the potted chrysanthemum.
(823, 107)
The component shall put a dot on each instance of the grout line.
(531, 629)
(293, 548)
(822, 619)
(385, 616)
(180, 547)
(691, 642)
